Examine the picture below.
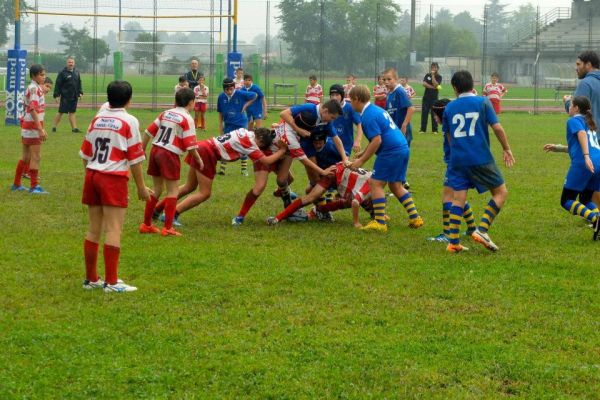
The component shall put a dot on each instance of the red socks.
(289, 210)
(111, 263)
(170, 205)
(19, 172)
(90, 252)
(248, 203)
(33, 173)
(332, 206)
(150, 204)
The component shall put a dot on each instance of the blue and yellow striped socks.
(490, 212)
(379, 208)
(469, 217)
(408, 203)
(455, 218)
(576, 208)
(446, 217)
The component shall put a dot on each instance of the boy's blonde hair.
(360, 93)
(391, 71)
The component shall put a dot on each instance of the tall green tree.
(464, 20)
(443, 16)
(497, 18)
(447, 41)
(7, 17)
(522, 22)
(80, 45)
(349, 32)
(144, 49)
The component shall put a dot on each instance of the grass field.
(516, 96)
(307, 310)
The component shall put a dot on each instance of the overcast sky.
(253, 12)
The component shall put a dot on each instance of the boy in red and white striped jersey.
(380, 92)
(494, 91)
(228, 147)
(239, 78)
(172, 134)
(314, 91)
(201, 104)
(111, 149)
(32, 131)
(350, 83)
(407, 88)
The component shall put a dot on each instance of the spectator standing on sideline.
(67, 91)
(587, 66)
(432, 83)
(193, 74)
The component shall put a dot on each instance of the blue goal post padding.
(16, 70)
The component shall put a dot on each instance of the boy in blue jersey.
(344, 124)
(447, 193)
(398, 104)
(584, 172)
(257, 111)
(231, 106)
(471, 161)
(323, 114)
(389, 144)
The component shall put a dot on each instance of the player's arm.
(38, 125)
(264, 105)
(355, 210)
(196, 156)
(220, 124)
(340, 148)
(509, 159)
(583, 142)
(357, 138)
(273, 158)
(253, 96)
(556, 148)
(286, 116)
(322, 172)
(145, 140)
(368, 153)
(136, 172)
(409, 113)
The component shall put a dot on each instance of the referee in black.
(68, 89)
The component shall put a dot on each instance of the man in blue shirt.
(466, 119)
(257, 111)
(389, 144)
(231, 106)
(344, 124)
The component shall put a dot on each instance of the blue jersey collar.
(467, 94)
(365, 107)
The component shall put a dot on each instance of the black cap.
(336, 89)
(228, 82)
(305, 120)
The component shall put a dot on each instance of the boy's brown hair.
(360, 93)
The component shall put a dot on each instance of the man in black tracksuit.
(432, 83)
(67, 88)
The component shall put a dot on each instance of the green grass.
(303, 310)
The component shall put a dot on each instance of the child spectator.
(112, 149)
(200, 103)
(183, 83)
(494, 91)
(407, 88)
(380, 92)
(314, 91)
(350, 83)
(239, 78)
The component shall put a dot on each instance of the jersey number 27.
(462, 120)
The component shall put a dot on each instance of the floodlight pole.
(235, 22)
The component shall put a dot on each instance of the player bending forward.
(352, 186)
(227, 147)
